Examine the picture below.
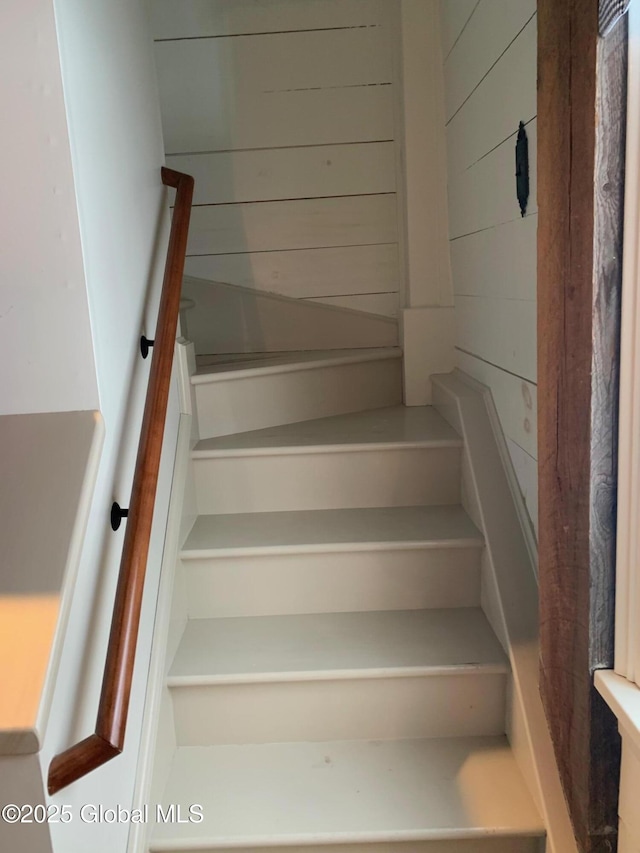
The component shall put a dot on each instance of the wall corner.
(428, 343)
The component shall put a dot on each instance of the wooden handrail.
(108, 739)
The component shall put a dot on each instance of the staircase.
(337, 686)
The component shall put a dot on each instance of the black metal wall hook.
(522, 169)
(117, 514)
(145, 346)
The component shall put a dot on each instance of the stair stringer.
(158, 743)
(229, 318)
(509, 586)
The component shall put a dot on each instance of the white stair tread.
(219, 368)
(336, 645)
(347, 792)
(387, 528)
(400, 426)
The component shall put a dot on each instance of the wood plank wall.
(490, 86)
(284, 113)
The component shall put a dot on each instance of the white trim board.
(156, 750)
(511, 590)
(422, 167)
(623, 697)
(627, 638)
(151, 744)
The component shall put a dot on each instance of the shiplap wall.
(490, 86)
(284, 113)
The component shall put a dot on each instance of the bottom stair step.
(495, 844)
(458, 795)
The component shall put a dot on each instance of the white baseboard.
(511, 588)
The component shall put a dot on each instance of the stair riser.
(376, 709)
(354, 478)
(487, 845)
(278, 584)
(239, 404)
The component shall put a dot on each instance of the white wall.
(284, 113)
(46, 353)
(117, 151)
(490, 71)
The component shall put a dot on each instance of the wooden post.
(581, 121)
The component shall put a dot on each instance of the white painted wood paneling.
(278, 62)
(498, 262)
(516, 400)
(283, 103)
(352, 220)
(506, 96)
(490, 31)
(201, 18)
(312, 272)
(526, 468)
(290, 173)
(485, 195)
(454, 16)
(385, 304)
(490, 83)
(275, 90)
(318, 117)
(502, 331)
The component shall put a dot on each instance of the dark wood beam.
(581, 123)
